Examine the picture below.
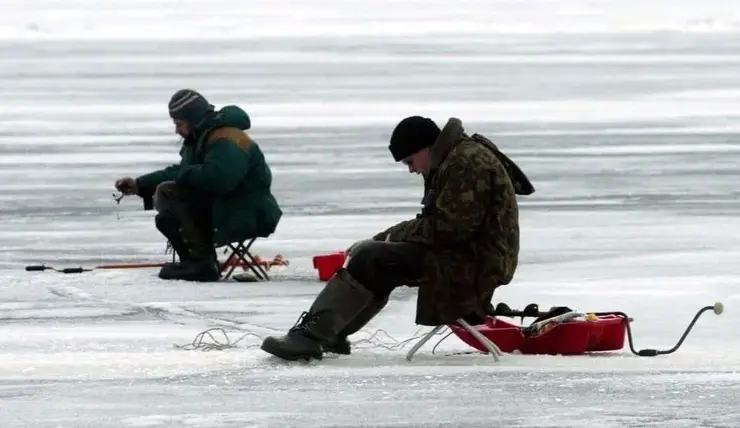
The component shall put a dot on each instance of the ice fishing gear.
(118, 202)
(234, 263)
(717, 308)
(38, 268)
(562, 331)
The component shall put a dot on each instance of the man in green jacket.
(220, 192)
(457, 251)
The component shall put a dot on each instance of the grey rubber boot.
(341, 344)
(340, 302)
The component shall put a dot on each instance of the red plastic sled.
(573, 337)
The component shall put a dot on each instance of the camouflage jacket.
(469, 226)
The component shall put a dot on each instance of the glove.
(126, 185)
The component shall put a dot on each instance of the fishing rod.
(41, 268)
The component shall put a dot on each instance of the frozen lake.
(626, 121)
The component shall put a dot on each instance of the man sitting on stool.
(219, 193)
(463, 245)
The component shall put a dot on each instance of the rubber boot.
(200, 263)
(196, 269)
(341, 344)
(340, 302)
(201, 266)
(168, 226)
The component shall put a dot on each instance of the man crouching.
(463, 245)
(219, 193)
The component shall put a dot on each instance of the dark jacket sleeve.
(223, 168)
(458, 210)
(152, 180)
(146, 184)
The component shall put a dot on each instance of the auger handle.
(36, 268)
(73, 270)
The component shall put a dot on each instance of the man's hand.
(126, 185)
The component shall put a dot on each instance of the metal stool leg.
(421, 342)
(490, 346)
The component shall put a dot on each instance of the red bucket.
(328, 264)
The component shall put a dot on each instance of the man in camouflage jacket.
(463, 245)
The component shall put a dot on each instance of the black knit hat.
(189, 105)
(411, 135)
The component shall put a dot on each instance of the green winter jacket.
(222, 161)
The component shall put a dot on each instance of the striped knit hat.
(189, 105)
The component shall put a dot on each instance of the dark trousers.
(382, 266)
(184, 217)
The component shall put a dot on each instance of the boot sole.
(338, 351)
(274, 349)
(174, 273)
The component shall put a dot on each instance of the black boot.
(201, 266)
(341, 344)
(169, 226)
(340, 302)
(195, 269)
(198, 259)
(182, 256)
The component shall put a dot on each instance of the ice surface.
(629, 133)
(169, 19)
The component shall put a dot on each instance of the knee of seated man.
(164, 193)
(364, 259)
(367, 251)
